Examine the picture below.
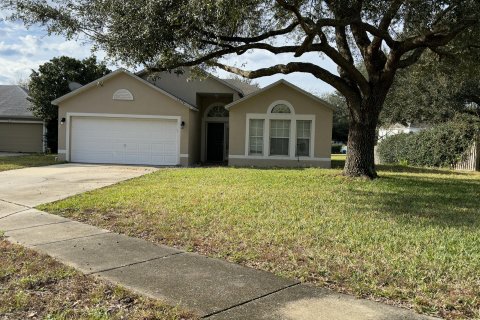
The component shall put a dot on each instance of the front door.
(215, 141)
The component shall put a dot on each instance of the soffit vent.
(123, 94)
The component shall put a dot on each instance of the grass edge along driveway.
(25, 161)
(410, 238)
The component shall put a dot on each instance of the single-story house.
(170, 119)
(20, 131)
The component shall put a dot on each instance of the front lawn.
(35, 286)
(410, 238)
(33, 160)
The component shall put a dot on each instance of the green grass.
(19, 162)
(35, 286)
(410, 238)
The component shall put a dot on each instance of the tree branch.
(320, 73)
(413, 58)
(434, 38)
(306, 23)
(261, 37)
(385, 23)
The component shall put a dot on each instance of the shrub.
(440, 146)
(336, 148)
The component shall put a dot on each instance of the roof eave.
(276, 83)
(112, 74)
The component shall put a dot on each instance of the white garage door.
(124, 141)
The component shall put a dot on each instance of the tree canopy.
(383, 35)
(438, 88)
(52, 81)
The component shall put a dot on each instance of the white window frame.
(296, 137)
(263, 139)
(293, 117)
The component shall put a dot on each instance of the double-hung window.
(303, 138)
(280, 132)
(279, 137)
(256, 137)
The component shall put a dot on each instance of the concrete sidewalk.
(212, 288)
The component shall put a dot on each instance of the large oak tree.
(382, 35)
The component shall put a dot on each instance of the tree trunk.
(360, 156)
(362, 136)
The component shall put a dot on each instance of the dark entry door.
(215, 141)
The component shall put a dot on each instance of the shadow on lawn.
(441, 202)
(339, 164)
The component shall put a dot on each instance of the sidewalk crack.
(251, 300)
(11, 214)
(134, 263)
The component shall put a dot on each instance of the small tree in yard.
(52, 81)
(382, 35)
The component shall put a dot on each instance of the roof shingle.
(14, 103)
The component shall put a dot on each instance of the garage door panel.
(124, 140)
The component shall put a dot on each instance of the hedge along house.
(170, 120)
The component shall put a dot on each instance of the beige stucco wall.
(147, 101)
(268, 163)
(302, 105)
(21, 137)
(187, 89)
(194, 139)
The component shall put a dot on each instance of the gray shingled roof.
(14, 103)
(245, 87)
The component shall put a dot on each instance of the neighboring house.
(20, 131)
(397, 128)
(171, 120)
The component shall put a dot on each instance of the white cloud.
(22, 50)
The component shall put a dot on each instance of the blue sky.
(22, 50)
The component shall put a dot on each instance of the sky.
(22, 50)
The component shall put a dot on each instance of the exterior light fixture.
(62, 121)
(182, 124)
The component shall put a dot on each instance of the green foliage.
(336, 148)
(438, 87)
(51, 81)
(440, 146)
(340, 116)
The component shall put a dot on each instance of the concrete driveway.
(30, 187)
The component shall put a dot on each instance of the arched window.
(123, 94)
(217, 112)
(280, 132)
(281, 108)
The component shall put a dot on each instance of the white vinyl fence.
(471, 161)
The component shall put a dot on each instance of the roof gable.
(112, 75)
(275, 84)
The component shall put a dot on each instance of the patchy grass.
(410, 238)
(19, 162)
(338, 161)
(35, 286)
